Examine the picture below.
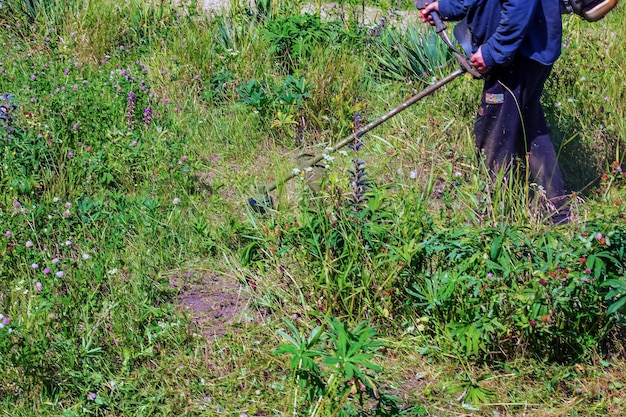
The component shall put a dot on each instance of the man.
(515, 44)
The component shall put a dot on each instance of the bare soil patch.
(214, 302)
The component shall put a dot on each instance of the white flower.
(175, 201)
(413, 175)
(112, 271)
(296, 171)
(328, 157)
(85, 256)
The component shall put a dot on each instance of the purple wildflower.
(147, 115)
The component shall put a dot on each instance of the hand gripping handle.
(439, 25)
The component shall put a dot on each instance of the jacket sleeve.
(454, 9)
(501, 47)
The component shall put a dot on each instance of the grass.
(137, 280)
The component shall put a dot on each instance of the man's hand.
(425, 14)
(478, 62)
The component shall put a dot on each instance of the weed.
(331, 370)
(410, 54)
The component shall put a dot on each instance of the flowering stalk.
(147, 116)
(130, 108)
(6, 113)
(359, 182)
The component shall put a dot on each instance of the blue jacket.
(505, 28)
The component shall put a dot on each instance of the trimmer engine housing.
(590, 10)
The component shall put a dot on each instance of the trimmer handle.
(439, 25)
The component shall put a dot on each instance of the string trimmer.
(263, 200)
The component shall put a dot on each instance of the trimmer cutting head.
(261, 203)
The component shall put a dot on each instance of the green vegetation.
(394, 278)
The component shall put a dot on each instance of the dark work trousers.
(501, 134)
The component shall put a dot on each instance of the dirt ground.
(213, 302)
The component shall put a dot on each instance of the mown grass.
(132, 136)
